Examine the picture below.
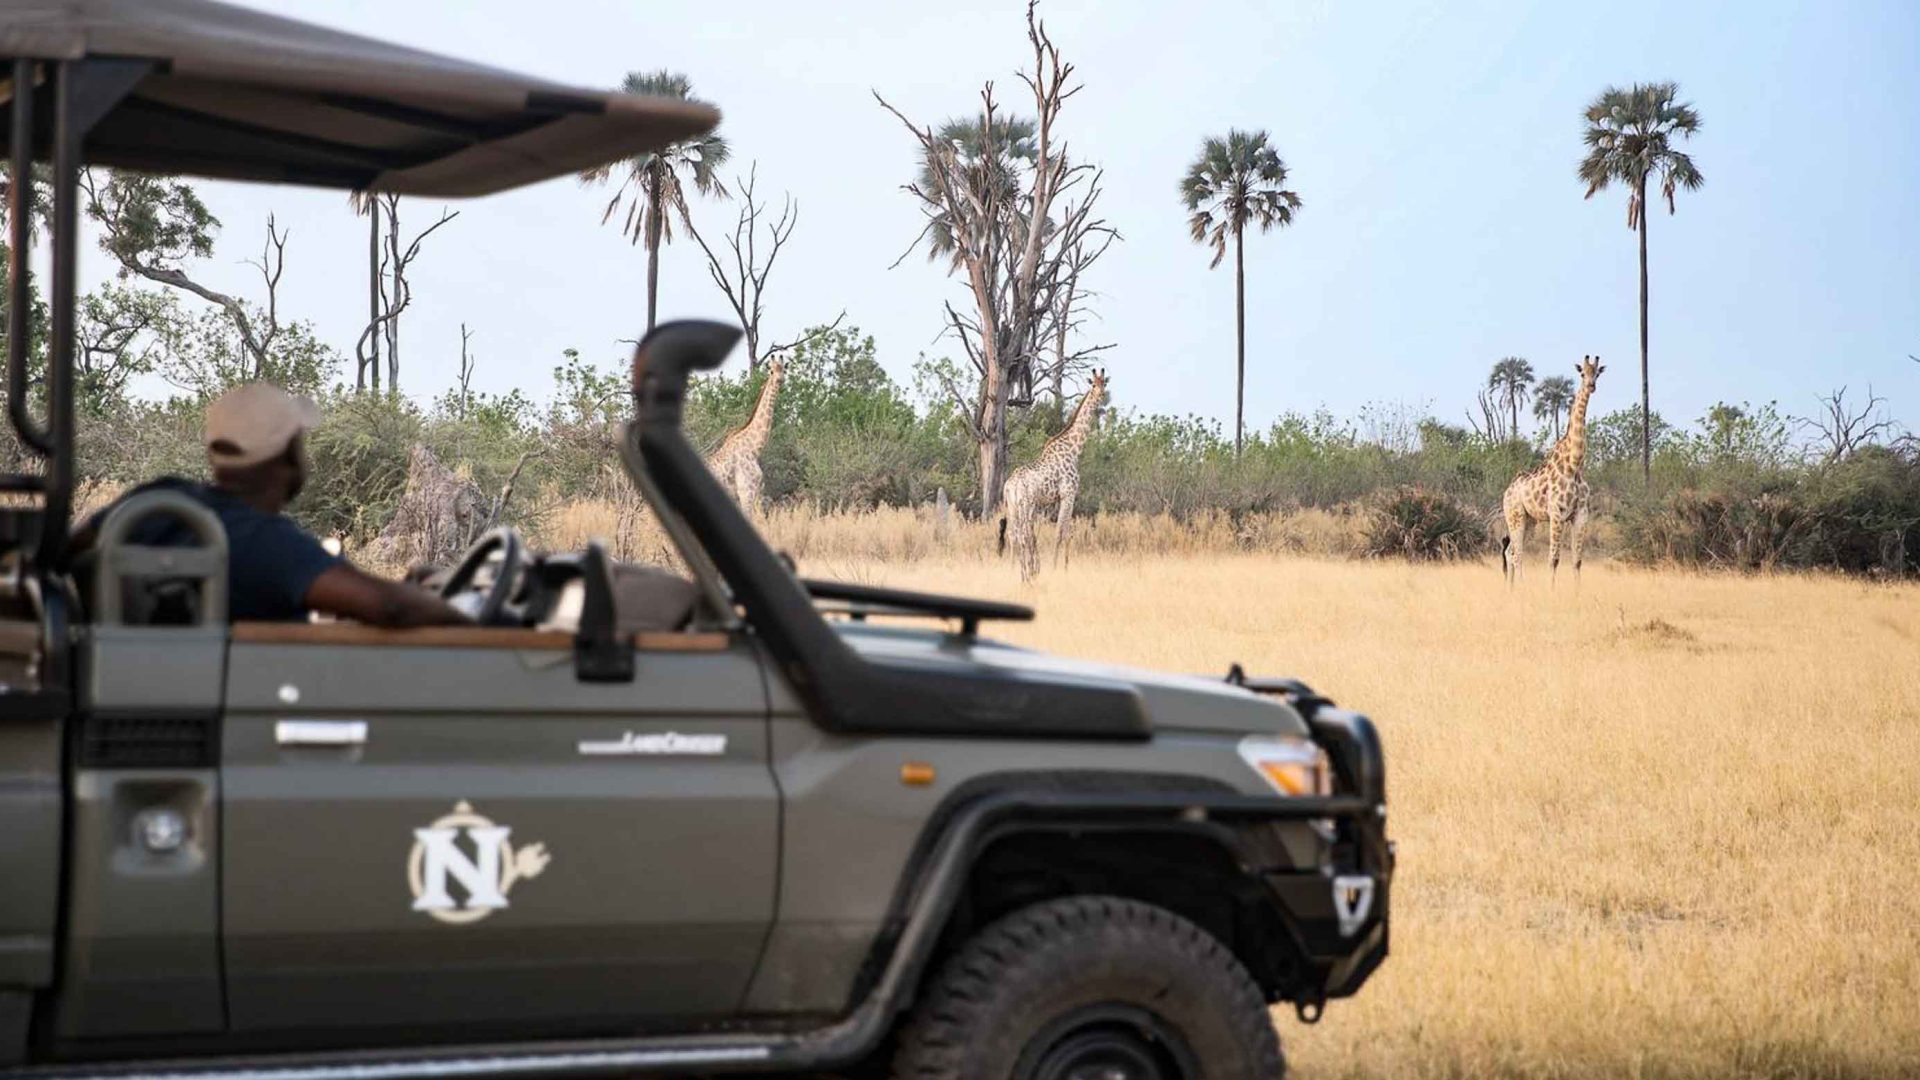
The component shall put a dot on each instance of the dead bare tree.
(1492, 424)
(1009, 207)
(391, 292)
(741, 271)
(1841, 427)
(467, 362)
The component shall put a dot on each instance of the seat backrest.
(130, 581)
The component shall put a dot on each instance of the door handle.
(320, 732)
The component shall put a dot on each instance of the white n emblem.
(484, 877)
(480, 875)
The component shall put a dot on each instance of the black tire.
(1090, 986)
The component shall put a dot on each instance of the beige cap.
(254, 422)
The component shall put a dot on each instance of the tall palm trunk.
(654, 215)
(1240, 336)
(373, 296)
(1646, 395)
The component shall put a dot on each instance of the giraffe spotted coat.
(1051, 480)
(1555, 491)
(736, 463)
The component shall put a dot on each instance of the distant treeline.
(1743, 487)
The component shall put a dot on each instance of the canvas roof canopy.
(233, 93)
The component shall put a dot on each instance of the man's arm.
(347, 591)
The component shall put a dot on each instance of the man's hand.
(346, 591)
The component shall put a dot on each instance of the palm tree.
(1551, 400)
(1511, 381)
(986, 165)
(1235, 182)
(653, 182)
(1630, 138)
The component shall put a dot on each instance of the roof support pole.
(19, 261)
(60, 300)
(83, 92)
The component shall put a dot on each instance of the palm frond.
(1630, 134)
(699, 159)
(1236, 180)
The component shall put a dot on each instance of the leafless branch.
(1841, 427)
(394, 290)
(807, 338)
(506, 490)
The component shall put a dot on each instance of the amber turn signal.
(916, 774)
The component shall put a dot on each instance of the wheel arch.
(1005, 841)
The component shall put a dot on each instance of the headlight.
(1290, 766)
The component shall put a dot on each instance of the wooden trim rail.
(455, 637)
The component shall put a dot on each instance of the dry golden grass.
(1666, 826)
(898, 535)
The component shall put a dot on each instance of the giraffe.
(736, 464)
(1052, 479)
(1555, 491)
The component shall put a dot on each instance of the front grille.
(147, 742)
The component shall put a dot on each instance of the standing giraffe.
(736, 464)
(1555, 491)
(1051, 479)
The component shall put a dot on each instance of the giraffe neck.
(1571, 450)
(760, 424)
(1067, 444)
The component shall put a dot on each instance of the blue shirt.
(271, 562)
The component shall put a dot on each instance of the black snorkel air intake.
(844, 691)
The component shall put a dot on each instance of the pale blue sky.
(1434, 146)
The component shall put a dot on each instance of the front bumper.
(1335, 912)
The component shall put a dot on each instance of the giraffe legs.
(1020, 534)
(1576, 538)
(1556, 525)
(1061, 556)
(1518, 525)
(748, 483)
(1025, 543)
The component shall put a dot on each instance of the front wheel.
(1091, 988)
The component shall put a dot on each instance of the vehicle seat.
(138, 585)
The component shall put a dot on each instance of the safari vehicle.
(745, 828)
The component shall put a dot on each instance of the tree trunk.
(993, 444)
(1646, 395)
(653, 244)
(399, 293)
(373, 295)
(1240, 339)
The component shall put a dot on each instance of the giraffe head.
(1590, 370)
(1097, 392)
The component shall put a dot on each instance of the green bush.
(359, 455)
(1421, 525)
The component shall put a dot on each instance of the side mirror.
(600, 654)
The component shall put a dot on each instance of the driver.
(276, 571)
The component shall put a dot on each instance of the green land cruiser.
(768, 834)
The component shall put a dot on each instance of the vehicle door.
(446, 831)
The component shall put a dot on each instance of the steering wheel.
(505, 540)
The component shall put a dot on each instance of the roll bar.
(82, 91)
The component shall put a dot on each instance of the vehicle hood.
(1173, 702)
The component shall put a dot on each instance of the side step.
(583, 1059)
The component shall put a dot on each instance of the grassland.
(1663, 826)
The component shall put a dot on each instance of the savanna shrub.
(1421, 525)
